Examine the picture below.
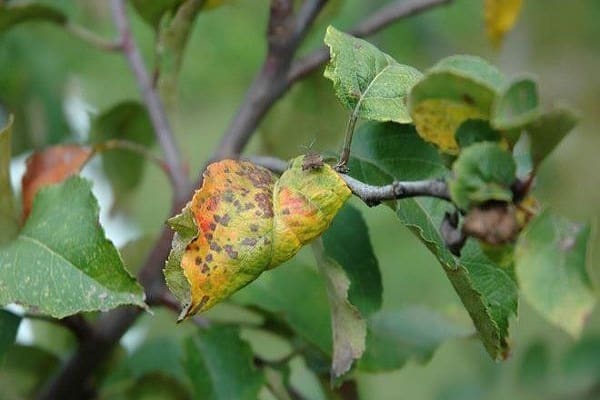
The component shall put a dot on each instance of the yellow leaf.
(437, 120)
(500, 17)
(247, 222)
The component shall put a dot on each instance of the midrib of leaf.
(56, 254)
(364, 94)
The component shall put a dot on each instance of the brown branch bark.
(284, 36)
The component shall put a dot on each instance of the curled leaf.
(454, 90)
(49, 166)
(242, 222)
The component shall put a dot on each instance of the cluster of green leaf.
(459, 121)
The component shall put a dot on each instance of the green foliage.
(534, 366)
(61, 263)
(283, 292)
(126, 121)
(367, 81)
(516, 106)
(483, 172)
(153, 11)
(9, 324)
(548, 131)
(462, 123)
(487, 292)
(12, 15)
(219, 366)
(395, 337)
(551, 268)
(24, 370)
(8, 217)
(347, 243)
(349, 328)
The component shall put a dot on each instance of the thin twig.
(93, 39)
(153, 103)
(377, 21)
(120, 144)
(373, 195)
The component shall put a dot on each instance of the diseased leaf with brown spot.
(49, 166)
(242, 222)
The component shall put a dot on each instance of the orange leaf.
(49, 166)
(242, 222)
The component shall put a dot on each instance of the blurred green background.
(41, 67)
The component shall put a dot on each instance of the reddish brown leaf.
(50, 166)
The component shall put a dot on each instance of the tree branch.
(373, 195)
(284, 35)
(153, 103)
(382, 18)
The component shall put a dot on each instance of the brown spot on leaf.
(230, 251)
(253, 228)
(215, 247)
(209, 258)
(249, 241)
(198, 260)
(264, 203)
(285, 211)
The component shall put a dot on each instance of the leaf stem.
(120, 144)
(91, 38)
(341, 166)
(156, 111)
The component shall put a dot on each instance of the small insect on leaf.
(243, 221)
(312, 161)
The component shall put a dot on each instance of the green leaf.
(126, 121)
(550, 262)
(386, 152)
(219, 365)
(8, 216)
(395, 337)
(548, 131)
(367, 81)
(11, 15)
(24, 370)
(457, 88)
(348, 326)
(152, 11)
(283, 292)
(534, 365)
(159, 355)
(9, 325)
(474, 131)
(61, 263)
(582, 361)
(347, 242)
(516, 106)
(155, 386)
(482, 172)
